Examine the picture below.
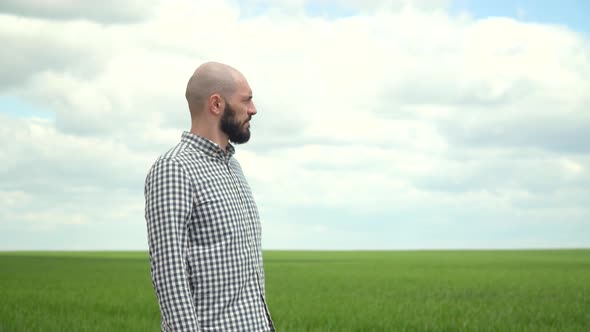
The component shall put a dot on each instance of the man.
(203, 225)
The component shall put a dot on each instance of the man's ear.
(215, 104)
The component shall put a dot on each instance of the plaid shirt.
(204, 241)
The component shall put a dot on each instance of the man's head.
(220, 103)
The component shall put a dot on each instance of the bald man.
(203, 225)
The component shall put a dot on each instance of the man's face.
(239, 109)
(235, 127)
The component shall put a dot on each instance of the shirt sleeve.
(168, 206)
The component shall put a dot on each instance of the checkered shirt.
(204, 241)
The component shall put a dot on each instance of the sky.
(381, 125)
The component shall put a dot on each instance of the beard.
(232, 127)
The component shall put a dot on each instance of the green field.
(545, 290)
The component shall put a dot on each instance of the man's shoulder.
(180, 155)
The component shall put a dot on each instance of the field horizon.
(301, 250)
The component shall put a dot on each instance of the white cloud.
(107, 11)
(401, 116)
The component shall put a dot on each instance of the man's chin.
(245, 137)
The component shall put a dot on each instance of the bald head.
(210, 78)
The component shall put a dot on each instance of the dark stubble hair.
(232, 127)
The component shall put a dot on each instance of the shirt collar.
(207, 146)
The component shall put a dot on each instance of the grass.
(76, 292)
(316, 291)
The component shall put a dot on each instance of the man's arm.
(168, 205)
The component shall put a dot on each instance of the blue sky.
(17, 107)
(570, 13)
(378, 127)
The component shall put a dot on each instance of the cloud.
(32, 46)
(108, 11)
(401, 123)
(52, 180)
(46, 158)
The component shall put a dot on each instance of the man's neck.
(215, 135)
